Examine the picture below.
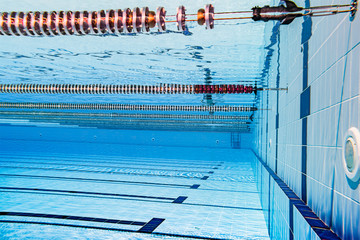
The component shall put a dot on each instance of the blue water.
(276, 173)
(225, 205)
(200, 184)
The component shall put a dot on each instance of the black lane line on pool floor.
(111, 229)
(106, 172)
(151, 225)
(53, 194)
(178, 200)
(104, 166)
(146, 227)
(194, 186)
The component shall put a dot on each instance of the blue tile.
(305, 103)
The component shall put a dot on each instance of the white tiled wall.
(333, 75)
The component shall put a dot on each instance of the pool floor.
(85, 197)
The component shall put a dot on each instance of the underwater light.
(351, 154)
(142, 20)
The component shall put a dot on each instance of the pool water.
(157, 178)
(260, 165)
(206, 197)
(162, 177)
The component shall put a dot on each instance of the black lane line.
(126, 162)
(112, 229)
(180, 199)
(174, 200)
(225, 190)
(221, 206)
(151, 225)
(194, 186)
(106, 172)
(103, 166)
(69, 217)
(84, 196)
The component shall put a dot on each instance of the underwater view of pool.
(179, 120)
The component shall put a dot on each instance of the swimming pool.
(179, 134)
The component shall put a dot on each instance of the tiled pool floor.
(200, 198)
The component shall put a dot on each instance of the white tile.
(342, 184)
(346, 218)
(353, 71)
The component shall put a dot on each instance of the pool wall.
(301, 137)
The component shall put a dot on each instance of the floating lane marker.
(129, 107)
